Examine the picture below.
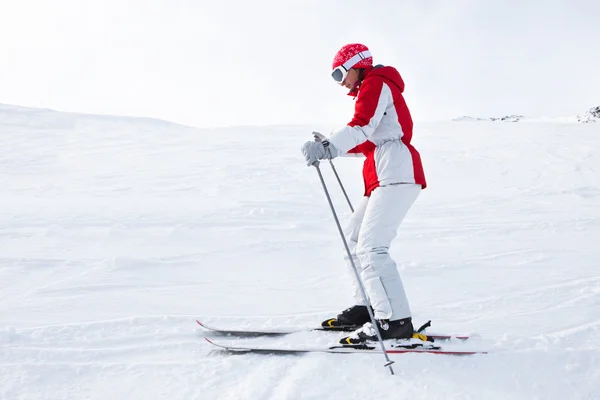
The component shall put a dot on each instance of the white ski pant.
(371, 229)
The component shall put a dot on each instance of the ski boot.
(398, 329)
(348, 320)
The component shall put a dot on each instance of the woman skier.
(381, 130)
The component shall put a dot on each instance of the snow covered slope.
(116, 233)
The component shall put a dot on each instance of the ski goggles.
(341, 72)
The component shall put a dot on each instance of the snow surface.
(117, 233)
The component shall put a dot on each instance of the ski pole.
(341, 186)
(360, 284)
(322, 139)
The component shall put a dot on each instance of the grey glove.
(315, 151)
(319, 137)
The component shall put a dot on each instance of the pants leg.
(351, 232)
(382, 217)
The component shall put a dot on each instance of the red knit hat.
(349, 51)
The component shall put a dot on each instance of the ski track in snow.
(117, 233)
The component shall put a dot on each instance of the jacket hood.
(389, 74)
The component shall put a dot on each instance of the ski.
(337, 349)
(286, 331)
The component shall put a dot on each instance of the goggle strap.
(356, 59)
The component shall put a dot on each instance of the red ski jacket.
(381, 130)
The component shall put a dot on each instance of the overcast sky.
(219, 63)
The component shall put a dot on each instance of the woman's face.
(351, 79)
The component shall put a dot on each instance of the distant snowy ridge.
(506, 118)
(591, 115)
(43, 118)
